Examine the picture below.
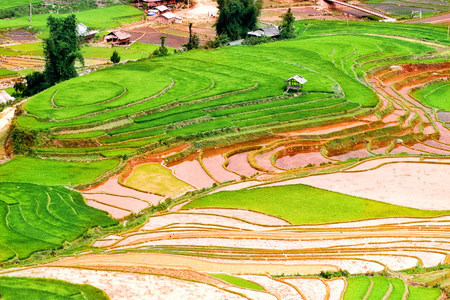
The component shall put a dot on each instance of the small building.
(271, 31)
(84, 32)
(118, 37)
(5, 98)
(168, 18)
(161, 9)
(155, 3)
(295, 83)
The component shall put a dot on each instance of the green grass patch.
(87, 93)
(108, 17)
(7, 73)
(6, 4)
(423, 293)
(380, 288)
(36, 217)
(40, 288)
(302, 204)
(51, 172)
(238, 282)
(154, 178)
(398, 288)
(436, 95)
(357, 288)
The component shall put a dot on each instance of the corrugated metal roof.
(5, 97)
(83, 30)
(297, 78)
(170, 15)
(162, 8)
(271, 31)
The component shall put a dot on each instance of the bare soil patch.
(126, 203)
(301, 160)
(116, 213)
(238, 163)
(405, 184)
(312, 289)
(190, 171)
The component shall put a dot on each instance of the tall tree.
(287, 25)
(237, 17)
(61, 49)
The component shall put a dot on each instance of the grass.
(87, 93)
(6, 4)
(302, 204)
(398, 288)
(152, 177)
(435, 95)
(423, 293)
(108, 17)
(239, 282)
(7, 73)
(435, 33)
(39, 288)
(357, 288)
(380, 288)
(253, 75)
(36, 217)
(25, 169)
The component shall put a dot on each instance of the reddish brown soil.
(190, 171)
(401, 149)
(361, 153)
(172, 41)
(325, 129)
(239, 163)
(301, 160)
(126, 203)
(214, 166)
(114, 212)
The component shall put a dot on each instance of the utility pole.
(31, 13)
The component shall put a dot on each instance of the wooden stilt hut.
(295, 83)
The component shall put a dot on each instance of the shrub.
(115, 58)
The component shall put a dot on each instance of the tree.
(237, 17)
(162, 50)
(194, 40)
(287, 25)
(115, 58)
(61, 49)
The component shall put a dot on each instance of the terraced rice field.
(38, 218)
(278, 188)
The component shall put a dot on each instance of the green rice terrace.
(196, 176)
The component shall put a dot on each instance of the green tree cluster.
(237, 17)
(115, 58)
(194, 40)
(287, 25)
(162, 50)
(61, 49)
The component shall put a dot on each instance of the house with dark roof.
(118, 37)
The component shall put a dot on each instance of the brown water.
(238, 163)
(191, 171)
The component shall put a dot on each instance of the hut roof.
(236, 43)
(297, 78)
(121, 35)
(162, 8)
(83, 30)
(170, 15)
(271, 31)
